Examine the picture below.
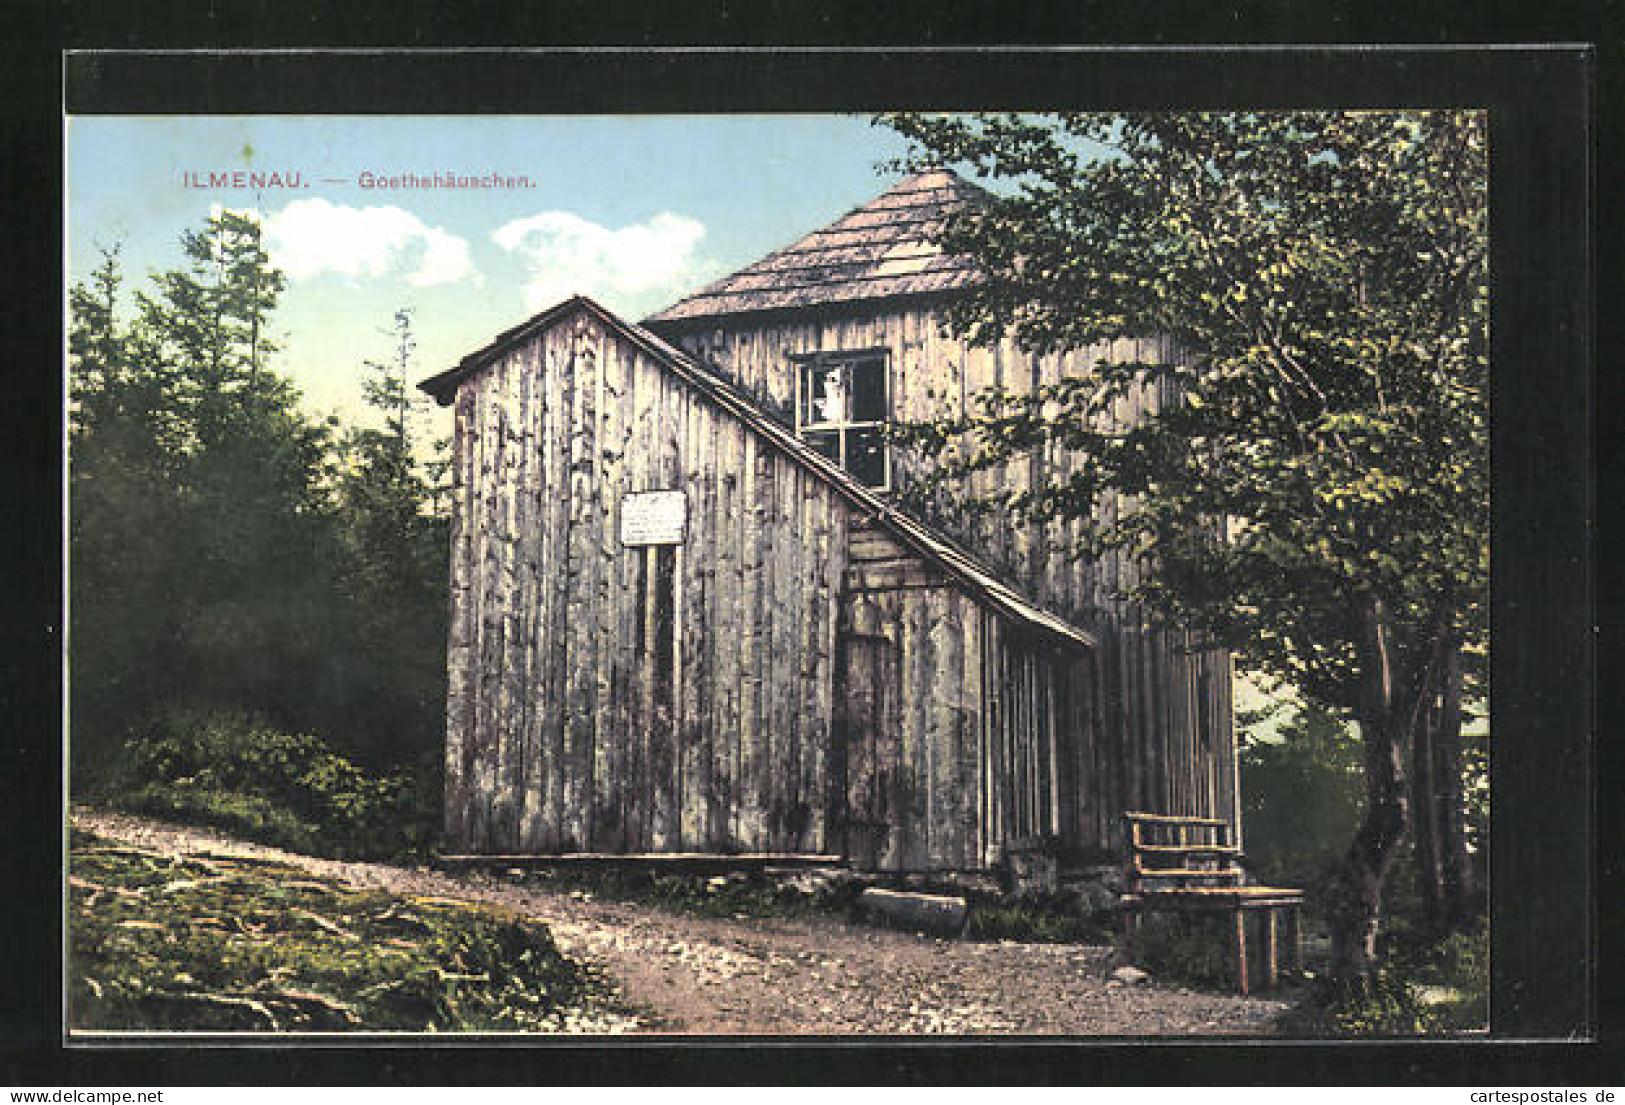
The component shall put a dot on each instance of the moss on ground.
(206, 943)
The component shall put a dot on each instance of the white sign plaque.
(654, 518)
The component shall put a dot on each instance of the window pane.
(804, 416)
(827, 442)
(826, 395)
(869, 390)
(866, 457)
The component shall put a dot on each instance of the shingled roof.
(881, 249)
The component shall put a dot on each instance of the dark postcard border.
(1544, 468)
(787, 79)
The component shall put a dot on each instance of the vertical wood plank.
(460, 634)
(688, 665)
(488, 604)
(527, 492)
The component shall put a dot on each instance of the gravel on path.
(753, 976)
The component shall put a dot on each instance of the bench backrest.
(1176, 853)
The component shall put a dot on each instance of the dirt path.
(704, 975)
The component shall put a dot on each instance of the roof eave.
(443, 385)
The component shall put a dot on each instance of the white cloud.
(567, 254)
(313, 236)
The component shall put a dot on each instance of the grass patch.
(1459, 969)
(750, 894)
(221, 944)
(1043, 919)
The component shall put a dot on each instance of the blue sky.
(632, 210)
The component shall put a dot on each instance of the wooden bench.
(1190, 865)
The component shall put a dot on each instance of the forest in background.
(257, 612)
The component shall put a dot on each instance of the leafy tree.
(1318, 499)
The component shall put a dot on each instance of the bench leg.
(1272, 962)
(1241, 951)
(1131, 934)
(1294, 944)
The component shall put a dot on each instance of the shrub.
(1302, 798)
(246, 815)
(239, 774)
(1384, 1005)
(1456, 968)
(1190, 948)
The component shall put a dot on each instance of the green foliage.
(1381, 1006)
(1301, 807)
(249, 816)
(1192, 948)
(229, 555)
(1452, 973)
(291, 790)
(392, 576)
(197, 516)
(1037, 920)
(1323, 278)
(235, 944)
(1475, 786)
(1424, 987)
(1301, 798)
(1459, 968)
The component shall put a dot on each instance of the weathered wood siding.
(568, 728)
(1166, 741)
(914, 765)
(960, 736)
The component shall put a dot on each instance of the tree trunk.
(1358, 906)
(1425, 821)
(1459, 898)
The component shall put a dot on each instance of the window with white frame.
(843, 401)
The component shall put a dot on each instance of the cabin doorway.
(866, 689)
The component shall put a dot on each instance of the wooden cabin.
(688, 614)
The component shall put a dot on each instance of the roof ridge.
(939, 191)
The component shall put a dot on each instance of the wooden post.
(1294, 945)
(1241, 950)
(1131, 935)
(1272, 963)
